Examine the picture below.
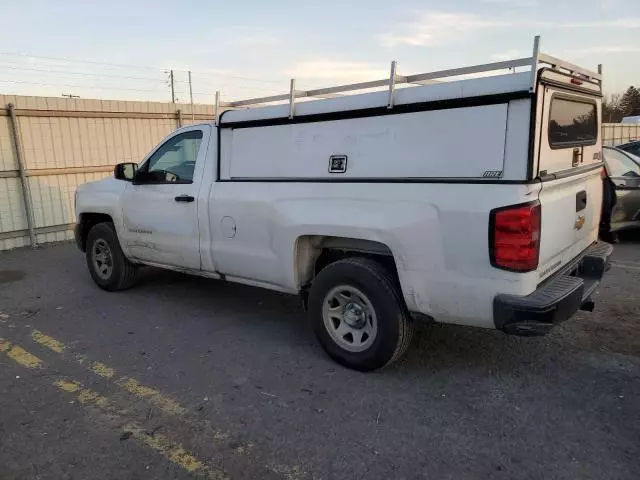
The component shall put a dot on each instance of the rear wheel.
(107, 264)
(359, 315)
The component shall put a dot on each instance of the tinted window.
(572, 123)
(175, 160)
(633, 147)
(619, 165)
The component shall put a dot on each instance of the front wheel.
(359, 315)
(108, 266)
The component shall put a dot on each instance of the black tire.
(394, 324)
(122, 274)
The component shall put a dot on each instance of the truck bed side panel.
(438, 234)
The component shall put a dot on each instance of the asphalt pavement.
(183, 377)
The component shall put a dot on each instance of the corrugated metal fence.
(618, 133)
(66, 142)
(63, 143)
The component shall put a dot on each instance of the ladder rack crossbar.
(395, 79)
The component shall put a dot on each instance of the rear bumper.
(557, 299)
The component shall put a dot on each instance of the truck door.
(160, 207)
(570, 167)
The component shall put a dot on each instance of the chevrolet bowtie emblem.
(579, 222)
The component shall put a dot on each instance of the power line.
(242, 87)
(150, 90)
(66, 72)
(59, 73)
(100, 87)
(71, 60)
(143, 67)
(82, 86)
(238, 77)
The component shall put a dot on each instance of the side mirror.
(125, 171)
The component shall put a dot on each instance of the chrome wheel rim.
(102, 259)
(350, 318)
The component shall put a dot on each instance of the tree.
(630, 102)
(611, 109)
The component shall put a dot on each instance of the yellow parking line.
(174, 452)
(47, 341)
(20, 355)
(101, 369)
(134, 387)
(96, 367)
(158, 399)
(85, 396)
(131, 385)
(24, 358)
(67, 385)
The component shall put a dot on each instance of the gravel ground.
(184, 377)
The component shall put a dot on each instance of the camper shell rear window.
(572, 122)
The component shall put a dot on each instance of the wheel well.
(87, 222)
(330, 255)
(313, 253)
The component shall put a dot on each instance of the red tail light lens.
(514, 237)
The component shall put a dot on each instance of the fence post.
(193, 115)
(26, 193)
(173, 91)
(216, 107)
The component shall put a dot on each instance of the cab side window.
(174, 161)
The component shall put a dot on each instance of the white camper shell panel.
(452, 143)
(460, 142)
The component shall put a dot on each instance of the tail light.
(514, 237)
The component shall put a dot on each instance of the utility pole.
(173, 91)
(193, 117)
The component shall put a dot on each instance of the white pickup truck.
(472, 201)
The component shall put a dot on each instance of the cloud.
(605, 49)
(434, 28)
(607, 4)
(327, 69)
(247, 36)
(515, 3)
(255, 40)
(508, 55)
(626, 23)
(439, 27)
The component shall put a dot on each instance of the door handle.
(184, 198)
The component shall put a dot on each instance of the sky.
(122, 49)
